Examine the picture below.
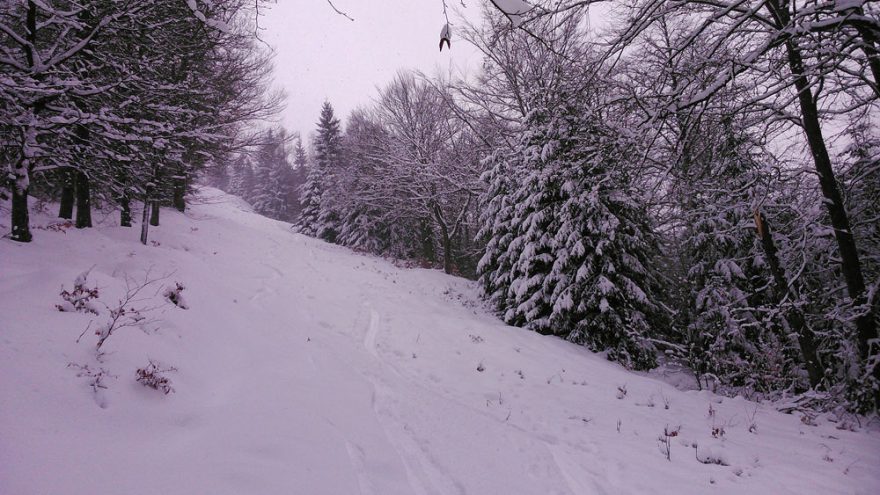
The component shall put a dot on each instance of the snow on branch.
(217, 24)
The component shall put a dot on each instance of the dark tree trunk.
(846, 245)
(428, 253)
(83, 201)
(145, 222)
(154, 217)
(806, 339)
(447, 254)
(180, 193)
(67, 195)
(445, 239)
(21, 230)
(125, 211)
(123, 199)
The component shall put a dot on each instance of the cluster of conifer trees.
(646, 201)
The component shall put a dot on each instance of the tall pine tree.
(319, 217)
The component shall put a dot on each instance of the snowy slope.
(303, 368)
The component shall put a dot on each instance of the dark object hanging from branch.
(445, 36)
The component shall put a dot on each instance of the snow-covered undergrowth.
(302, 368)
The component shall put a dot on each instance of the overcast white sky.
(321, 55)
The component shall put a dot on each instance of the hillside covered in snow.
(291, 366)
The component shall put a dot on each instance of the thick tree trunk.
(180, 193)
(154, 217)
(83, 201)
(806, 339)
(21, 231)
(846, 245)
(67, 195)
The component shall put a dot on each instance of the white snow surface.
(305, 368)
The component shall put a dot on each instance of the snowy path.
(304, 368)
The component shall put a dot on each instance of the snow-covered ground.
(303, 368)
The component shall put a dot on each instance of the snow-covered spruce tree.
(319, 217)
(578, 243)
(241, 181)
(328, 153)
(271, 176)
(311, 202)
(737, 334)
(534, 220)
(497, 231)
(295, 179)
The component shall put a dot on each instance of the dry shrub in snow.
(152, 376)
(126, 313)
(665, 441)
(174, 296)
(96, 377)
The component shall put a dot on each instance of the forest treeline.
(699, 182)
(118, 102)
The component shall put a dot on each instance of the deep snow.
(304, 368)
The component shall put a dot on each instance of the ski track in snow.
(372, 331)
(578, 481)
(423, 471)
(304, 368)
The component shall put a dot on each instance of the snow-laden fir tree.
(570, 252)
(496, 216)
(295, 180)
(328, 154)
(319, 217)
(271, 176)
(311, 203)
(241, 178)
(300, 157)
(735, 327)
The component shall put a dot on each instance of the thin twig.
(343, 14)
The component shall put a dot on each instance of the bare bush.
(153, 376)
(130, 311)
